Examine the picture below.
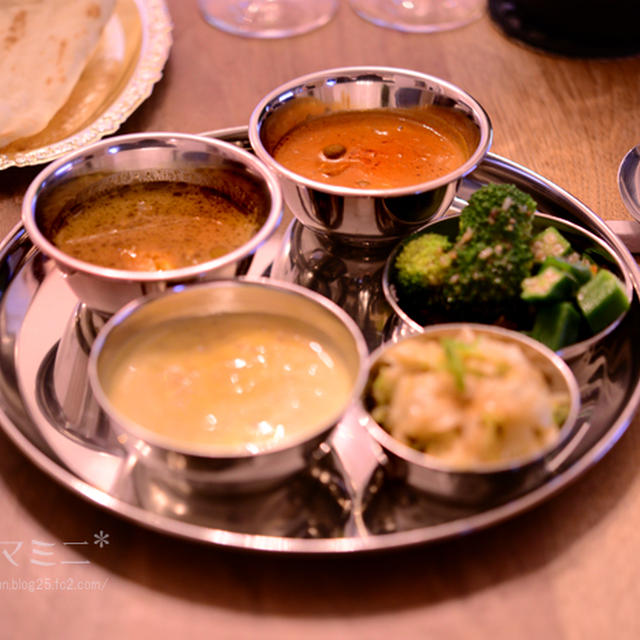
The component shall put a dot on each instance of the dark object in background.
(576, 28)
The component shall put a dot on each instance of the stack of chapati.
(44, 46)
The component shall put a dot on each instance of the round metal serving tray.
(345, 501)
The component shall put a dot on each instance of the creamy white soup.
(235, 381)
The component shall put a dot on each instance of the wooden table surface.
(567, 569)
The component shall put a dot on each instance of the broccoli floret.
(487, 273)
(478, 277)
(493, 250)
(498, 212)
(423, 263)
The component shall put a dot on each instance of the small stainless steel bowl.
(147, 157)
(363, 215)
(580, 238)
(209, 466)
(479, 483)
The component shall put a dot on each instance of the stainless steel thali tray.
(118, 77)
(345, 501)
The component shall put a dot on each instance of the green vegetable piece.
(577, 268)
(492, 251)
(423, 262)
(561, 410)
(550, 285)
(602, 300)
(455, 363)
(382, 387)
(549, 242)
(498, 212)
(585, 259)
(557, 325)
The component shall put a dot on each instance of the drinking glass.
(267, 18)
(419, 16)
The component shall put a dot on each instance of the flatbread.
(44, 46)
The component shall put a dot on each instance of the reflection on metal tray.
(346, 501)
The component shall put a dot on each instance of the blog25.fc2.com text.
(51, 584)
(47, 555)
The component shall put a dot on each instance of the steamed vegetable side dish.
(498, 271)
(468, 399)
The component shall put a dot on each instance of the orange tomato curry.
(378, 148)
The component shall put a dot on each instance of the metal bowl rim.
(567, 352)
(123, 275)
(166, 446)
(432, 463)
(485, 128)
